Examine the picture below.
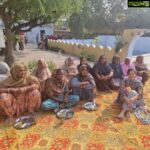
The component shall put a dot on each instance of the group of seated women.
(22, 92)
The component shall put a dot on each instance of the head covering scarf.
(102, 69)
(117, 70)
(126, 67)
(54, 86)
(4, 68)
(140, 66)
(81, 78)
(82, 67)
(14, 81)
(42, 73)
(67, 61)
(88, 66)
(114, 58)
(70, 69)
(102, 57)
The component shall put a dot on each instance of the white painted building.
(47, 29)
(2, 39)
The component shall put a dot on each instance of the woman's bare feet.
(147, 109)
(122, 114)
(128, 114)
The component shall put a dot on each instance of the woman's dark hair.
(102, 57)
(130, 70)
(138, 57)
(114, 58)
(58, 71)
(81, 58)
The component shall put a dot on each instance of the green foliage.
(90, 57)
(119, 44)
(33, 65)
(51, 66)
(15, 38)
(109, 17)
(76, 25)
(83, 53)
(97, 15)
(25, 14)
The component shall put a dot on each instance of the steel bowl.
(91, 106)
(65, 113)
(24, 122)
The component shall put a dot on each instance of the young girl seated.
(131, 94)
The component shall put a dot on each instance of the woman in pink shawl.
(126, 66)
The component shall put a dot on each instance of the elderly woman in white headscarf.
(70, 68)
(4, 71)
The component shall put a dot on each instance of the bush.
(88, 56)
(33, 64)
(51, 66)
(91, 57)
(119, 44)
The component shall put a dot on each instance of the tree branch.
(5, 4)
(29, 25)
(26, 24)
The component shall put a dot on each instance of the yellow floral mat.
(98, 130)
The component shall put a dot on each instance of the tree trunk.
(9, 57)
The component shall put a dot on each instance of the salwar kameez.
(51, 104)
(18, 95)
(87, 92)
(56, 93)
(103, 70)
(136, 104)
(136, 87)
